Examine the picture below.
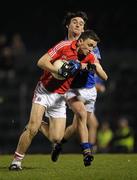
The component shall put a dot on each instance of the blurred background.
(27, 31)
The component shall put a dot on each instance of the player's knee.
(33, 130)
(92, 121)
(56, 138)
(81, 115)
(73, 127)
(96, 124)
(25, 128)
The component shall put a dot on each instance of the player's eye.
(91, 45)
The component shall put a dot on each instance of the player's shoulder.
(96, 51)
(63, 43)
(92, 58)
(91, 55)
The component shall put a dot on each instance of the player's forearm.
(45, 64)
(100, 72)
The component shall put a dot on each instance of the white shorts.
(86, 95)
(55, 103)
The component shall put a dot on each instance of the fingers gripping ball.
(66, 68)
(62, 67)
(64, 71)
(74, 66)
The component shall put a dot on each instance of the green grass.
(70, 167)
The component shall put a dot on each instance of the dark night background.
(40, 22)
(40, 26)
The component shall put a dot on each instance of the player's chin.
(77, 32)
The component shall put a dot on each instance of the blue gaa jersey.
(97, 53)
(86, 79)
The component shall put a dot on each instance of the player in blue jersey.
(92, 121)
(73, 33)
(75, 24)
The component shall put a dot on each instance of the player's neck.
(72, 36)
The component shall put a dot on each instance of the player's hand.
(74, 66)
(64, 71)
(69, 68)
(91, 67)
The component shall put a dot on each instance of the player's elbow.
(105, 77)
(40, 63)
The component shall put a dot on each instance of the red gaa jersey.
(65, 50)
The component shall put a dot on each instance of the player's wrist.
(91, 67)
(83, 66)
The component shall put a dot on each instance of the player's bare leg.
(56, 133)
(71, 129)
(81, 116)
(92, 123)
(57, 147)
(44, 129)
(26, 137)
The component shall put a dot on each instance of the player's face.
(86, 46)
(76, 26)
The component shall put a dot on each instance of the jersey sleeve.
(97, 52)
(92, 58)
(55, 52)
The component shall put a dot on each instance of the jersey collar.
(74, 45)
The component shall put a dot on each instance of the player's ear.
(81, 40)
(67, 26)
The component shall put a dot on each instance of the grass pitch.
(70, 167)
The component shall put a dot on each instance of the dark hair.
(89, 34)
(71, 15)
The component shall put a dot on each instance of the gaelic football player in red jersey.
(75, 23)
(50, 99)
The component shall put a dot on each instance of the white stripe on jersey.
(59, 46)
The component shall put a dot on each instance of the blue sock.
(85, 146)
(91, 145)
